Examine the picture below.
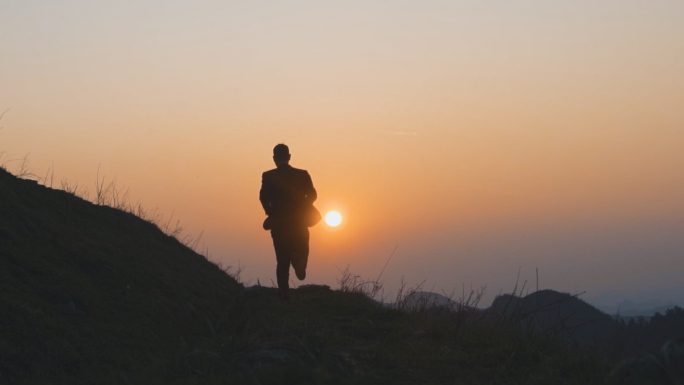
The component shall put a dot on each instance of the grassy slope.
(90, 294)
(87, 289)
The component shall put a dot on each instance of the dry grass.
(353, 283)
(153, 312)
(108, 193)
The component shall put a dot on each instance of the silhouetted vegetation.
(640, 334)
(95, 294)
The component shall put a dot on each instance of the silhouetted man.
(287, 194)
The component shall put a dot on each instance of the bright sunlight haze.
(333, 218)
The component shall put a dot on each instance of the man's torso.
(286, 191)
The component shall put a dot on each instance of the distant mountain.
(545, 311)
(556, 313)
(628, 308)
(644, 303)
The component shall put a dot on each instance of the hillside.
(91, 294)
(559, 314)
(89, 289)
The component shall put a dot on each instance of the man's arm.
(265, 195)
(311, 194)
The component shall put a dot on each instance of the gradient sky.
(476, 137)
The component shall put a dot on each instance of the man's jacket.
(286, 194)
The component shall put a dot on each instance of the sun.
(333, 218)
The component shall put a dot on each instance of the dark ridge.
(94, 295)
(561, 314)
(79, 282)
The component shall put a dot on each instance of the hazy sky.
(476, 137)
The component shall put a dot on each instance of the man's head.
(281, 155)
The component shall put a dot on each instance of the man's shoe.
(300, 273)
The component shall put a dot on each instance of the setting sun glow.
(333, 218)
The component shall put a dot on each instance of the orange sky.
(477, 138)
